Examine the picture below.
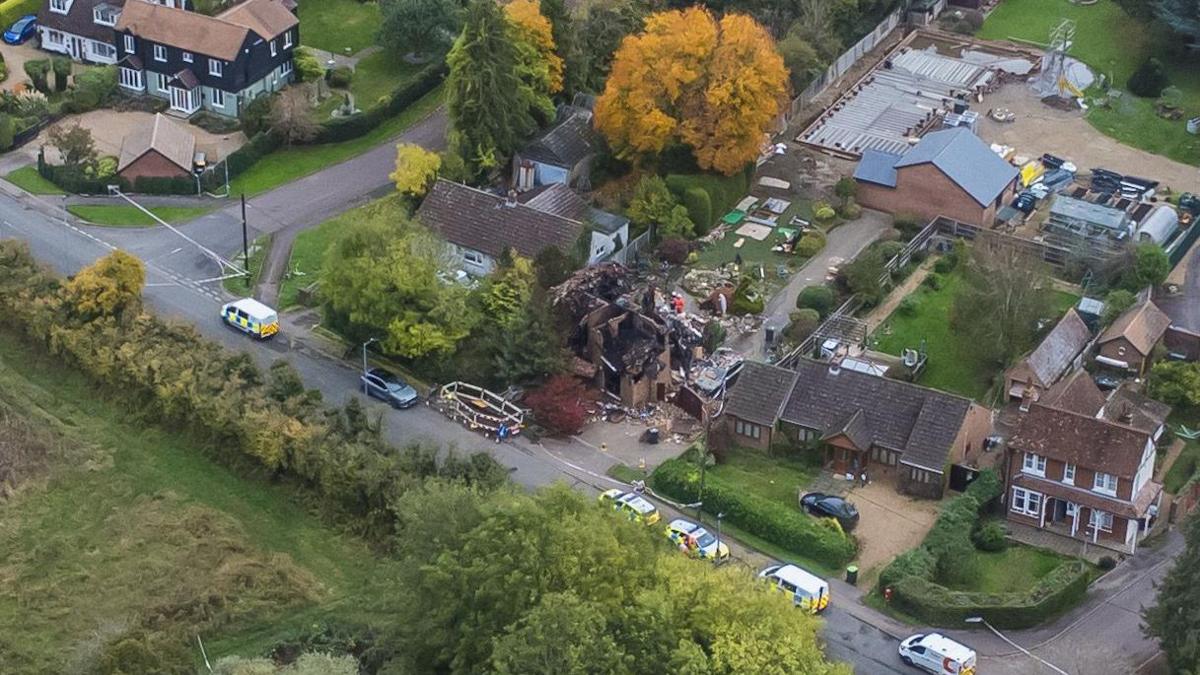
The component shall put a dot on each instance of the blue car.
(22, 30)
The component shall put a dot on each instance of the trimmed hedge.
(699, 208)
(345, 128)
(724, 192)
(775, 522)
(11, 10)
(1059, 590)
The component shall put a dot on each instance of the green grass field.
(378, 75)
(121, 215)
(775, 478)
(333, 25)
(1012, 570)
(953, 365)
(131, 525)
(288, 164)
(1114, 45)
(1183, 469)
(258, 253)
(28, 179)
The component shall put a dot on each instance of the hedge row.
(933, 603)
(724, 192)
(11, 10)
(260, 423)
(346, 128)
(778, 524)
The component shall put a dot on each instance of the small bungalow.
(1061, 350)
(892, 429)
(562, 154)
(159, 149)
(1128, 344)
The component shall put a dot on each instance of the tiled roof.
(1143, 325)
(557, 199)
(1082, 440)
(1076, 392)
(171, 140)
(267, 18)
(486, 222)
(965, 159)
(221, 36)
(1092, 500)
(759, 393)
(565, 144)
(920, 423)
(1059, 348)
(78, 20)
(854, 428)
(1143, 412)
(877, 166)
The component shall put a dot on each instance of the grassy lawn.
(952, 365)
(123, 215)
(1115, 45)
(288, 164)
(28, 179)
(134, 526)
(258, 253)
(1183, 469)
(626, 473)
(379, 74)
(1013, 570)
(771, 477)
(333, 25)
(754, 253)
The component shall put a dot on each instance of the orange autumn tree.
(535, 43)
(689, 78)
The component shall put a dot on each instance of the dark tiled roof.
(566, 143)
(1082, 440)
(1143, 325)
(79, 20)
(854, 428)
(1076, 392)
(1093, 500)
(560, 200)
(1144, 413)
(484, 222)
(760, 393)
(185, 79)
(1062, 344)
(920, 423)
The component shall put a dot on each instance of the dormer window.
(287, 39)
(187, 57)
(105, 15)
(160, 53)
(60, 6)
(215, 67)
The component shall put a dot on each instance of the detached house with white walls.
(81, 29)
(216, 63)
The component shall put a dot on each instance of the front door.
(184, 100)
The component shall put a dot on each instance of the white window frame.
(1034, 464)
(163, 82)
(103, 49)
(217, 97)
(160, 53)
(60, 6)
(274, 51)
(287, 39)
(1100, 483)
(472, 257)
(747, 429)
(130, 45)
(285, 67)
(1069, 473)
(96, 18)
(216, 67)
(1072, 509)
(1102, 520)
(54, 37)
(1026, 502)
(131, 78)
(186, 56)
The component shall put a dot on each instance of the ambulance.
(251, 317)
(936, 653)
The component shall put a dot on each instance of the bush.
(908, 225)
(94, 88)
(345, 128)
(851, 211)
(773, 521)
(699, 208)
(1149, 79)
(934, 281)
(1106, 562)
(823, 212)
(803, 323)
(810, 244)
(6, 132)
(889, 249)
(674, 251)
(746, 299)
(945, 265)
(37, 69)
(915, 562)
(340, 77)
(991, 537)
(61, 66)
(907, 306)
(255, 116)
(819, 298)
(558, 405)
(724, 192)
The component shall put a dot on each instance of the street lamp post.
(717, 555)
(1026, 652)
(364, 352)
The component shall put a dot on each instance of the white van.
(936, 653)
(807, 591)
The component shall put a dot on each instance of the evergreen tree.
(489, 105)
(528, 348)
(1175, 618)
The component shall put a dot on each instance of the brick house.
(950, 173)
(1082, 477)
(160, 149)
(1059, 352)
(1128, 344)
(897, 431)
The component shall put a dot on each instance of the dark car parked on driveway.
(831, 506)
(23, 29)
(383, 385)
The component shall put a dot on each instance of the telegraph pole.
(245, 243)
